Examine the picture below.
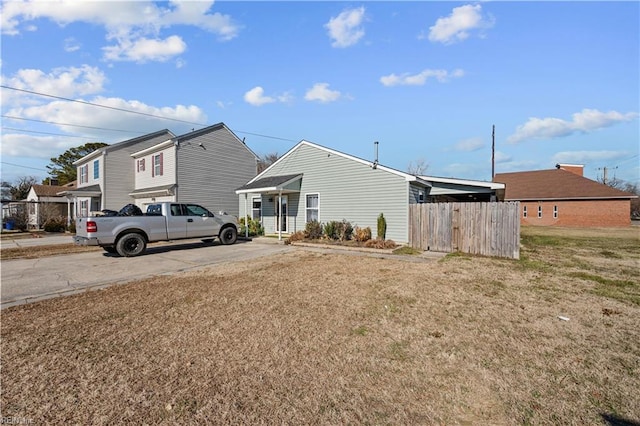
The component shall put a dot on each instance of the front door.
(281, 214)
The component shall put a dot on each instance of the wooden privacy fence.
(488, 229)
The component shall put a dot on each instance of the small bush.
(313, 230)
(362, 235)
(296, 236)
(382, 227)
(345, 231)
(58, 224)
(255, 227)
(330, 230)
(72, 227)
(379, 243)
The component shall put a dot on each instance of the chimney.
(577, 169)
(375, 162)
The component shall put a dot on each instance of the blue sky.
(559, 80)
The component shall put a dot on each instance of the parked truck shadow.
(166, 247)
(614, 420)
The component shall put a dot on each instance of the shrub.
(72, 227)
(255, 227)
(313, 230)
(379, 243)
(330, 230)
(58, 224)
(382, 227)
(19, 221)
(296, 236)
(362, 234)
(345, 230)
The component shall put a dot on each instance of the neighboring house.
(203, 167)
(312, 182)
(564, 197)
(44, 203)
(106, 176)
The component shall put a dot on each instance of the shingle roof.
(554, 184)
(49, 190)
(269, 182)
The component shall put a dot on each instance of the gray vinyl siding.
(347, 190)
(119, 171)
(209, 174)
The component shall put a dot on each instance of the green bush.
(346, 231)
(335, 230)
(58, 224)
(382, 227)
(313, 230)
(72, 227)
(255, 227)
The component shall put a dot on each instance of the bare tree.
(417, 167)
(266, 160)
(20, 188)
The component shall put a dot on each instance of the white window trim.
(306, 208)
(96, 169)
(258, 198)
(539, 212)
(555, 212)
(157, 166)
(524, 211)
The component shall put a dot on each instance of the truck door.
(176, 222)
(201, 222)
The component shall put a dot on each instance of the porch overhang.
(158, 191)
(285, 184)
(87, 191)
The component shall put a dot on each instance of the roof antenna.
(375, 162)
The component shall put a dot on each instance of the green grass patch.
(407, 250)
(542, 240)
(622, 290)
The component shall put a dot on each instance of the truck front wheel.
(130, 245)
(228, 235)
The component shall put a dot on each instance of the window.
(256, 208)
(313, 203)
(84, 208)
(196, 210)
(524, 211)
(157, 165)
(555, 212)
(539, 211)
(96, 169)
(84, 173)
(421, 196)
(140, 166)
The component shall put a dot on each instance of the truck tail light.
(92, 226)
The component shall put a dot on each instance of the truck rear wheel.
(228, 235)
(131, 244)
(110, 249)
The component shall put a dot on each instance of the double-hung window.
(313, 207)
(96, 169)
(555, 212)
(84, 173)
(524, 211)
(156, 169)
(539, 211)
(256, 208)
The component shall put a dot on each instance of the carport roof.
(270, 183)
(86, 191)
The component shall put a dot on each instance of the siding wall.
(597, 213)
(209, 175)
(147, 178)
(119, 172)
(348, 190)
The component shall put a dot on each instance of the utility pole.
(605, 178)
(493, 152)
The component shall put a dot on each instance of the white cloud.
(71, 44)
(457, 26)
(45, 147)
(421, 78)
(585, 121)
(63, 81)
(256, 97)
(144, 50)
(469, 145)
(346, 29)
(135, 25)
(586, 157)
(501, 157)
(320, 92)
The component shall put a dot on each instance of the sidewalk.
(26, 239)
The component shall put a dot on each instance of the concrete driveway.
(29, 280)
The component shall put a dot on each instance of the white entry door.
(281, 214)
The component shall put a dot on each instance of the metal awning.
(283, 184)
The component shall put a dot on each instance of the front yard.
(313, 338)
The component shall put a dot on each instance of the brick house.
(564, 197)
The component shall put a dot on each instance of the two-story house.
(203, 166)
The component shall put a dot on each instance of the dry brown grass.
(309, 338)
(43, 251)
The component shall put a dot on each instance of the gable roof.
(555, 184)
(123, 144)
(209, 129)
(409, 177)
(51, 190)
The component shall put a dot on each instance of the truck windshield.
(196, 210)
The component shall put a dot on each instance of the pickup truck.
(128, 235)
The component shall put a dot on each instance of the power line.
(48, 133)
(24, 167)
(69, 124)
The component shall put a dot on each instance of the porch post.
(280, 216)
(68, 212)
(246, 217)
